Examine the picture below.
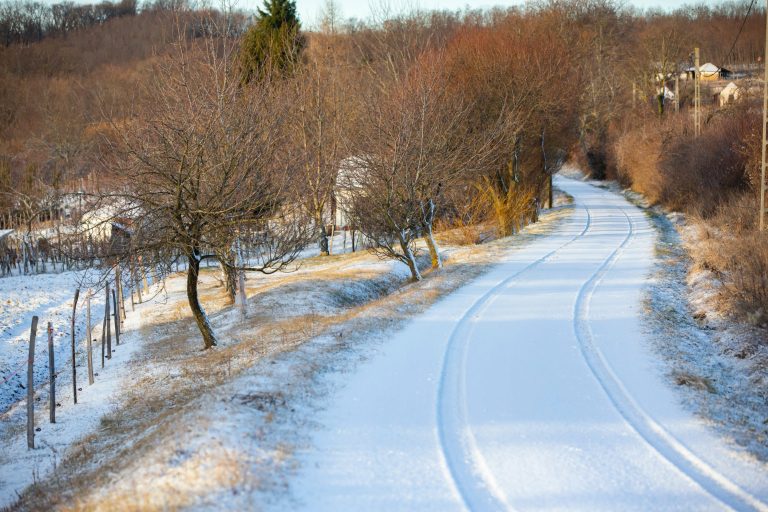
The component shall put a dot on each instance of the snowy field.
(50, 297)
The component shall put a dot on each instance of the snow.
(705, 353)
(532, 387)
(50, 297)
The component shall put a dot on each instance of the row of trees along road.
(233, 142)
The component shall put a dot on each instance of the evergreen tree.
(273, 42)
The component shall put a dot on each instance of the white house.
(730, 94)
(348, 183)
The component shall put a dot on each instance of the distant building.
(348, 184)
(709, 72)
(730, 94)
(4, 235)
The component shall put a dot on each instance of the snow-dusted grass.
(722, 373)
(218, 429)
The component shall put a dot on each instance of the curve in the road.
(471, 477)
(659, 439)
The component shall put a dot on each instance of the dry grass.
(460, 233)
(728, 244)
(511, 210)
(694, 381)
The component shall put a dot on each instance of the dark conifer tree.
(273, 43)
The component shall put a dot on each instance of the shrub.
(665, 163)
(637, 162)
(698, 174)
(737, 253)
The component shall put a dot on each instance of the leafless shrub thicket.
(712, 177)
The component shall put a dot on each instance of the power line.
(743, 22)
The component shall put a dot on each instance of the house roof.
(708, 68)
(5, 232)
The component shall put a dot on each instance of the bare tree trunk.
(429, 217)
(434, 253)
(230, 276)
(410, 259)
(193, 273)
(322, 241)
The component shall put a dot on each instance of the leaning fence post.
(89, 342)
(51, 375)
(116, 309)
(74, 369)
(31, 386)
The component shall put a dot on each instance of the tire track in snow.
(653, 433)
(468, 470)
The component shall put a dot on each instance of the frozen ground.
(531, 388)
(721, 373)
(50, 297)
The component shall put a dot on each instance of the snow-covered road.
(530, 388)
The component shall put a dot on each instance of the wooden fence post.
(74, 368)
(116, 308)
(51, 375)
(103, 338)
(135, 281)
(109, 324)
(89, 342)
(31, 386)
(117, 294)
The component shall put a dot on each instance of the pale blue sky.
(309, 9)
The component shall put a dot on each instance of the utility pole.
(761, 215)
(696, 94)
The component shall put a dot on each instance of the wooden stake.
(103, 338)
(74, 368)
(116, 309)
(31, 386)
(109, 324)
(89, 340)
(51, 375)
(763, 184)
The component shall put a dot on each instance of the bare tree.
(317, 124)
(199, 169)
(410, 144)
